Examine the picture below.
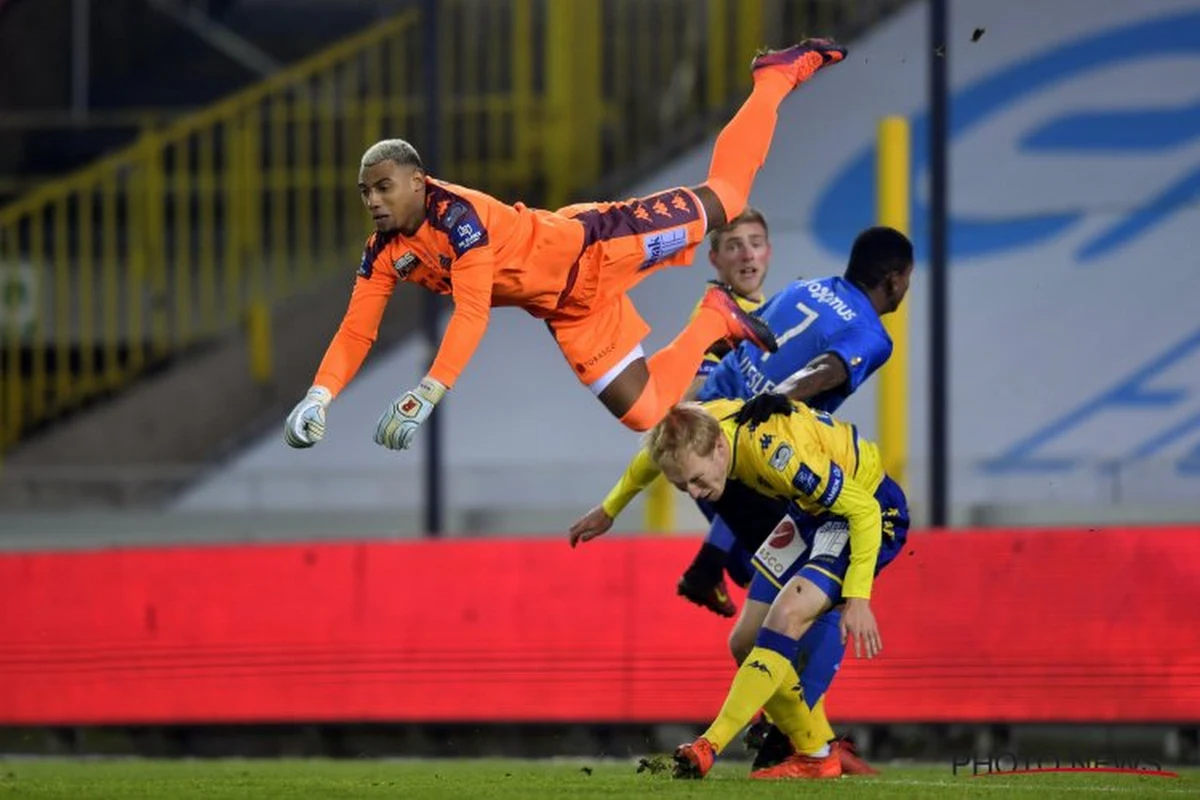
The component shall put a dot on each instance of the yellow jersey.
(807, 457)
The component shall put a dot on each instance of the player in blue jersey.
(831, 339)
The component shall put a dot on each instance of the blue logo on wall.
(845, 206)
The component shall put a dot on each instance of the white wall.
(1075, 191)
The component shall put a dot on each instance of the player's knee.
(722, 201)
(623, 390)
(797, 606)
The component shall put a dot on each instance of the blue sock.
(781, 643)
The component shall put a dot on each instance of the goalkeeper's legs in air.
(634, 239)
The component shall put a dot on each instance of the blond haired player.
(852, 520)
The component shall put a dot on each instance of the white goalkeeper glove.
(399, 423)
(305, 426)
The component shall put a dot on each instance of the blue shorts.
(819, 548)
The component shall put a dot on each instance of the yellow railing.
(199, 227)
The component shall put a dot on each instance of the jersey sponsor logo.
(834, 487)
(783, 547)
(806, 480)
(825, 296)
(765, 441)
(587, 364)
(781, 457)
(658, 246)
(783, 534)
(405, 264)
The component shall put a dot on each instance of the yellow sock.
(808, 729)
(756, 680)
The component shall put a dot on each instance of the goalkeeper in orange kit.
(572, 268)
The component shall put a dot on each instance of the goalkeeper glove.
(762, 407)
(305, 426)
(399, 423)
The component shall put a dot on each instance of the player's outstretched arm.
(472, 292)
(592, 524)
(348, 349)
(640, 473)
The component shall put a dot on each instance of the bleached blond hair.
(396, 150)
(686, 429)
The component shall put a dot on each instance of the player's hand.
(398, 425)
(594, 523)
(858, 623)
(305, 426)
(762, 407)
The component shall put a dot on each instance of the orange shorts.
(597, 326)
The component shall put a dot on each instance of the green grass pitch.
(126, 779)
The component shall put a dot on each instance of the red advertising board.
(1030, 625)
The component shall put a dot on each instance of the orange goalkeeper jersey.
(479, 250)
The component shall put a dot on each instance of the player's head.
(689, 448)
(391, 182)
(881, 264)
(740, 250)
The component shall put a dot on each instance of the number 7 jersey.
(809, 318)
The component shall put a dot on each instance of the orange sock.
(673, 367)
(742, 146)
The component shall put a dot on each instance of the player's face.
(394, 195)
(702, 477)
(742, 258)
(896, 286)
